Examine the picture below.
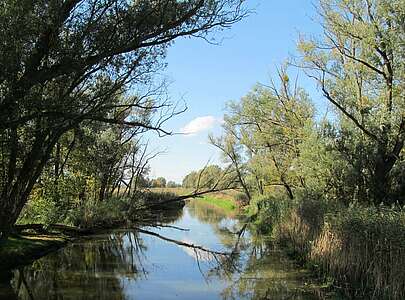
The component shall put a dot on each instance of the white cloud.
(199, 124)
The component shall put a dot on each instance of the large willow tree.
(64, 62)
(263, 133)
(360, 67)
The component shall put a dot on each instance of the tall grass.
(364, 247)
(360, 249)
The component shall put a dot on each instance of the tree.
(189, 181)
(67, 62)
(159, 182)
(204, 178)
(263, 134)
(172, 184)
(231, 151)
(359, 66)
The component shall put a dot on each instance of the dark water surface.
(130, 265)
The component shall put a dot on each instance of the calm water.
(129, 265)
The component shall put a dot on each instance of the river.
(125, 264)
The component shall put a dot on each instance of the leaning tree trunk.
(15, 196)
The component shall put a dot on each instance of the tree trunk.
(5, 222)
(288, 189)
(13, 199)
(103, 187)
(381, 183)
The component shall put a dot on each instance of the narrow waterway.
(129, 265)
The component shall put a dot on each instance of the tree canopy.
(74, 62)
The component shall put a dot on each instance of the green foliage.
(204, 178)
(268, 212)
(159, 182)
(172, 184)
(100, 214)
(87, 67)
(154, 197)
(190, 180)
(264, 132)
(359, 66)
(241, 199)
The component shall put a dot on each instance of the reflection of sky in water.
(175, 272)
(196, 253)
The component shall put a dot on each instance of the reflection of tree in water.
(255, 270)
(224, 227)
(165, 216)
(206, 213)
(95, 268)
(6, 290)
(268, 274)
(89, 270)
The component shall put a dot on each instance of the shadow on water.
(131, 265)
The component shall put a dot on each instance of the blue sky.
(207, 76)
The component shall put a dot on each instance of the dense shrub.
(149, 197)
(105, 213)
(241, 199)
(268, 212)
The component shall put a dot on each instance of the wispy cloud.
(199, 124)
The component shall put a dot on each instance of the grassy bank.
(360, 250)
(23, 249)
(224, 200)
(227, 205)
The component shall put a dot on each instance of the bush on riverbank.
(361, 249)
(100, 214)
(110, 212)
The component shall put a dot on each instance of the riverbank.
(222, 200)
(225, 200)
(23, 249)
(35, 240)
(225, 204)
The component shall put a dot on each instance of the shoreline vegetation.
(31, 241)
(225, 200)
(22, 249)
(357, 250)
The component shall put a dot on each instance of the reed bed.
(360, 250)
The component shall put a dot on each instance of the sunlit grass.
(225, 204)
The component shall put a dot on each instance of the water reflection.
(86, 269)
(130, 265)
